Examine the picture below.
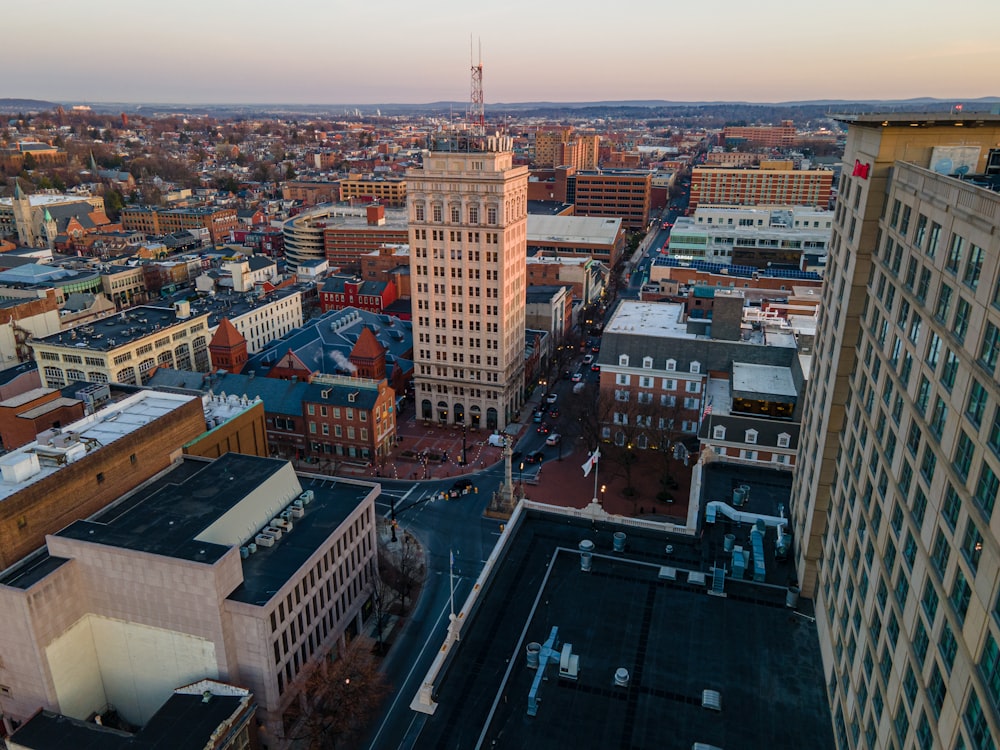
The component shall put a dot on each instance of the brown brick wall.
(74, 492)
(245, 434)
(16, 431)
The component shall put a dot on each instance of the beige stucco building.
(125, 348)
(190, 577)
(468, 242)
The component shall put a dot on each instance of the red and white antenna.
(477, 114)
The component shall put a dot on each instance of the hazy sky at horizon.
(308, 51)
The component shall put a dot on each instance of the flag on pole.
(451, 559)
(708, 408)
(591, 462)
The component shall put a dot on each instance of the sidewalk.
(562, 483)
(434, 451)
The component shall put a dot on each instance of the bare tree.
(399, 567)
(338, 701)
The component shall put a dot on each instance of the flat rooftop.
(751, 381)
(587, 230)
(642, 611)
(200, 509)
(56, 448)
(664, 319)
(117, 330)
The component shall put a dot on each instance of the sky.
(399, 51)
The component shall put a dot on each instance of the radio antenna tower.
(477, 115)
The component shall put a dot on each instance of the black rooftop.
(165, 517)
(184, 722)
(674, 639)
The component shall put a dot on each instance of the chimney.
(727, 314)
(376, 215)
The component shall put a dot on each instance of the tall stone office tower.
(468, 244)
(893, 506)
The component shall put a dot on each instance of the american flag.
(708, 408)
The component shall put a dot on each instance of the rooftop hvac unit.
(251, 548)
(297, 511)
(264, 540)
(274, 531)
(244, 553)
(298, 503)
(307, 496)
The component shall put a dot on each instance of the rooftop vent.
(711, 699)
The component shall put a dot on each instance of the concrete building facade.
(893, 501)
(191, 577)
(468, 243)
(125, 348)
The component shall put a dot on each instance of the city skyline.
(113, 51)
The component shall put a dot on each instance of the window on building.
(954, 259)
(987, 489)
(960, 324)
(977, 725)
(947, 646)
(975, 406)
(990, 347)
(964, 452)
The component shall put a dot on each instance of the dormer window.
(784, 440)
(696, 367)
(671, 365)
(623, 360)
(719, 432)
(751, 436)
(647, 363)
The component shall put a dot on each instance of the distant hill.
(639, 108)
(13, 106)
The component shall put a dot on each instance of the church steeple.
(23, 221)
(50, 229)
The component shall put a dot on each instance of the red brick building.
(228, 348)
(23, 417)
(770, 136)
(755, 187)
(339, 292)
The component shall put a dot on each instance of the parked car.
(535, 457)
(538, 416)
(554, 439)
(461, 487)
(552, 398)
(577, 377)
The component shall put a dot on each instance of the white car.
(588, 359)
(551, 398)
(553, 439)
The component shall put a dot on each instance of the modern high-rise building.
(468, 224)
(899, 461)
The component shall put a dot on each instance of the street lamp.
(463, 461)
(392, 516)
(520, 472)
(603, 488)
